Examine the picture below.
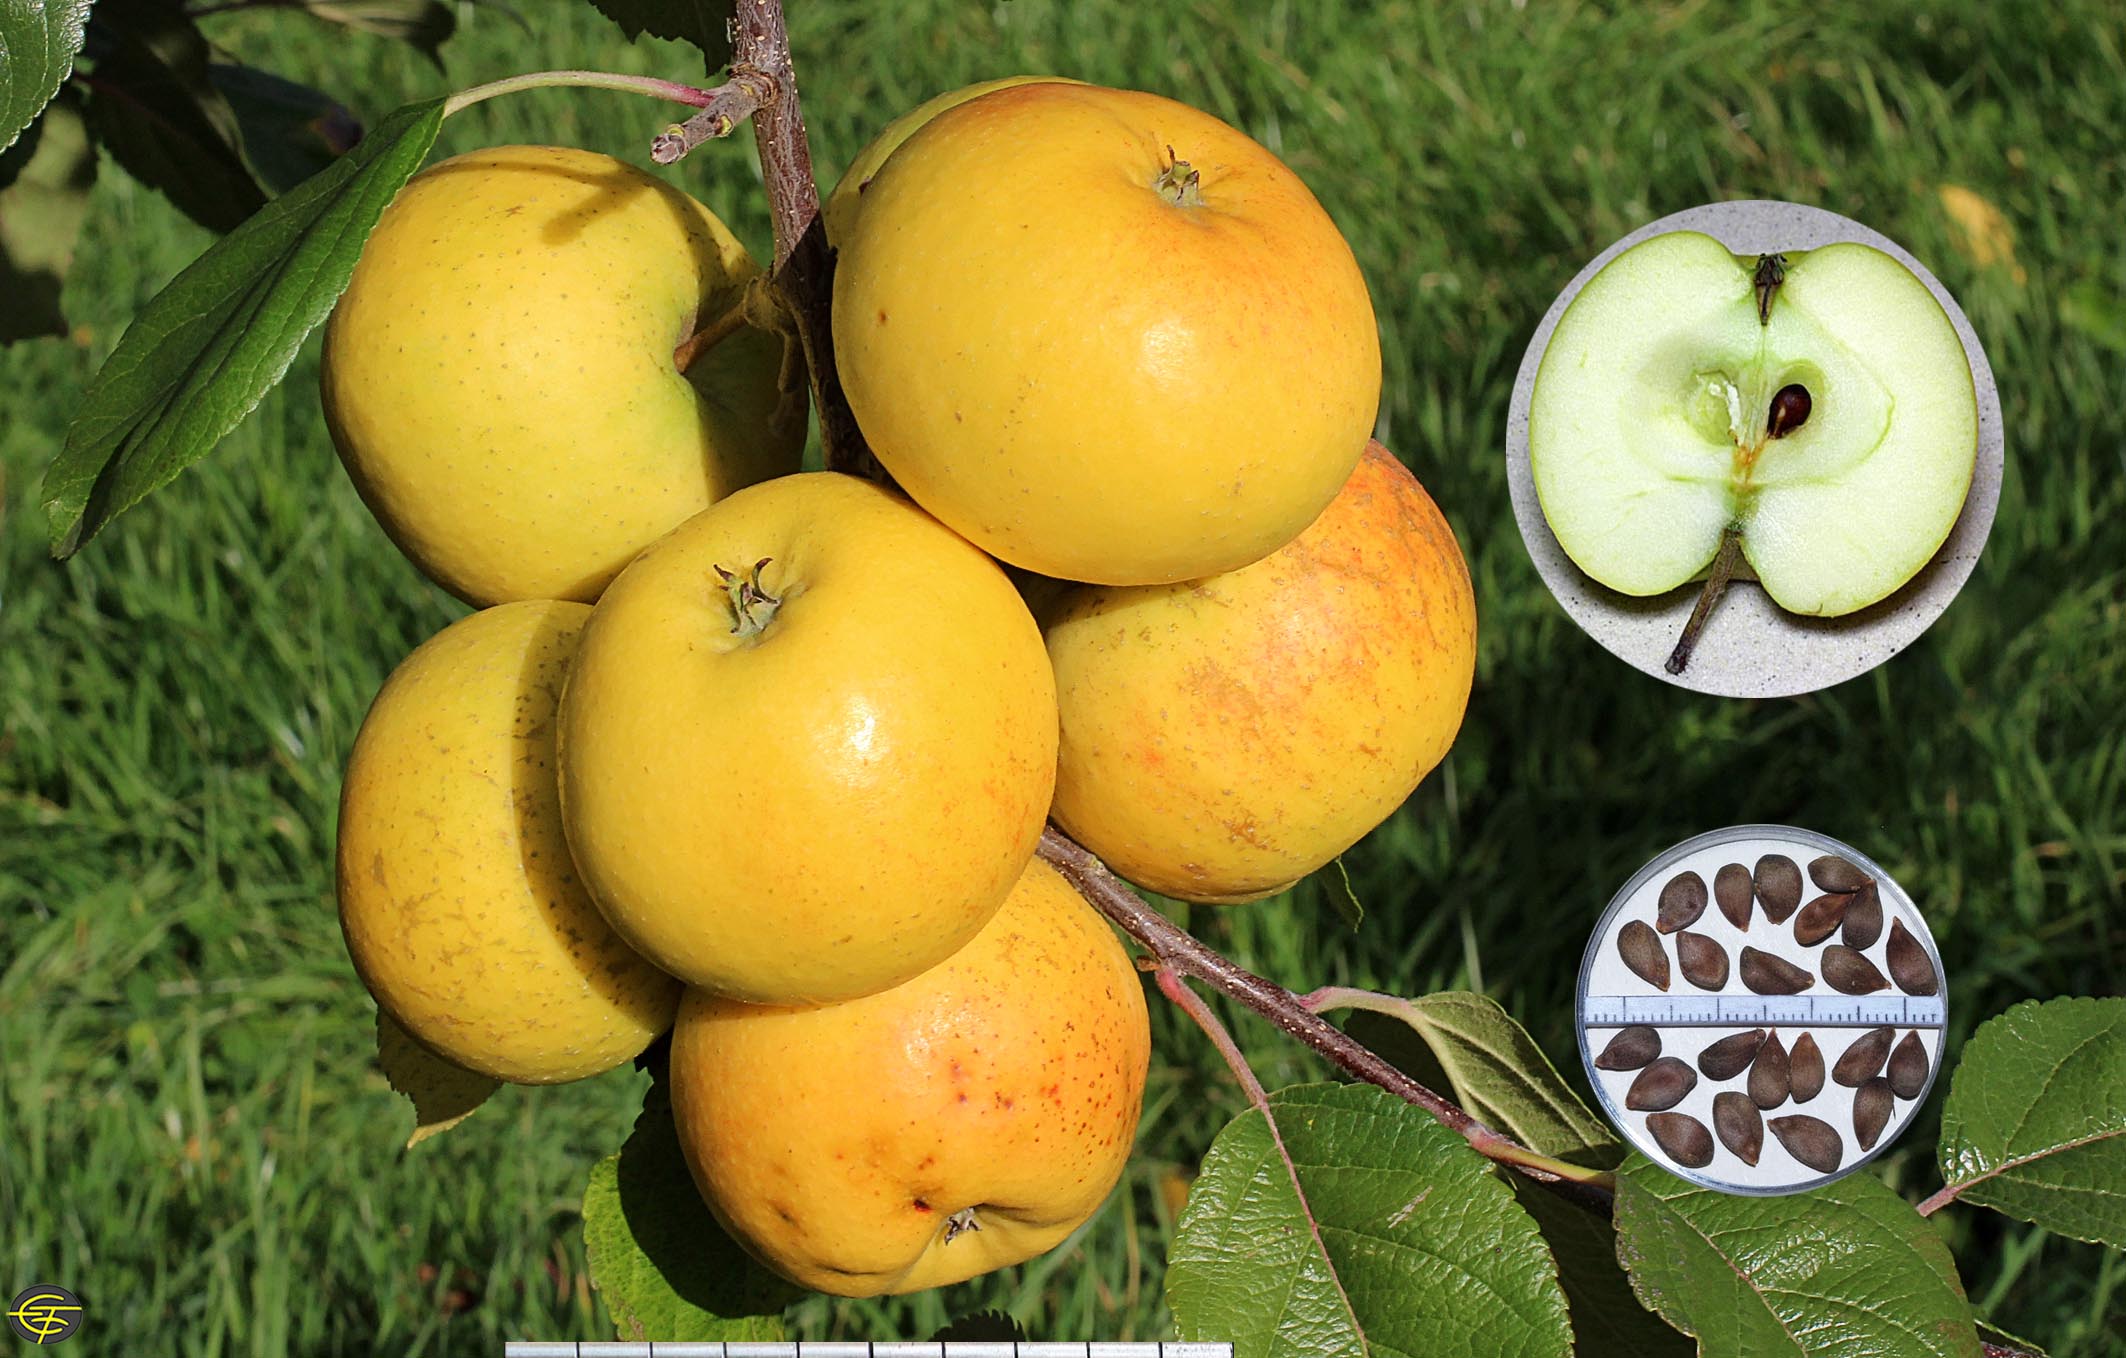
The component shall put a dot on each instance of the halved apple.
(1813, 412)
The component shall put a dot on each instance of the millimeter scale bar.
(933, 1348)
(1753, 1011)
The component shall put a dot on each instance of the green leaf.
(153, 107)
(1607, 1317)
(45, 200)
(983, 1326)
(1467, 1043)
(1993, 1334)
(443, 1094)
(290, 131)
(2035, 1122)
(39, 40)
(704, 23)
(1335, 881)
(1848, 1269)
(421, 24)
(666, 1269)
(1497, 1072)
(204, 351)
(1420, 1250)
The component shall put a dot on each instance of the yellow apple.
(847, 197)
(461, 907)
(1104, 336)
(501, 381)
(964, 1120)
(1223, 738)
(808, 745)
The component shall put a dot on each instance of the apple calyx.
(752, 607)
(960, 1221)
(1180, 181)
(1769, 274)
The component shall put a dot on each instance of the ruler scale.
(1756, 1011)
(934, 1348)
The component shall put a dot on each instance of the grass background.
(195, 1136)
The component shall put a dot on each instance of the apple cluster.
(761, 757)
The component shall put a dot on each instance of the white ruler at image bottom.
(948, 1348)
(1749, 1011)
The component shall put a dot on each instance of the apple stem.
(763, 86)
(601, 80)
(1715, 584)
(1177, 950)
(708, 337)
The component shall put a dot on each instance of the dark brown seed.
(1851, 972)
(1863, 918)
(1834, 874)
(1871, 1111)
(1682, 1138)
(1805, 1069)
(1661, 1085)
(1908, 1067)
(1819, 919)
(1778, 886)
(1909, 966)
(1769, 1074)
(1641, 949)
(1682, 901)
(1790, 410)
(1740, 1125)
(1864, 1058)
(1630, 1049)
(1702, 961)
(1769, 975)
(1730, 1056)
(1812, 1141)
(1732, 888)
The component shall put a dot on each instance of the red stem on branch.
(1177, 950)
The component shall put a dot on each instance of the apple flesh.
(1656, 452)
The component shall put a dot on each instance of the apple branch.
(1177, 950)
(763, 86)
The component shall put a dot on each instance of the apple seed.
(1790, 410)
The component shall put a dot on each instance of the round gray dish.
(1750, 647)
